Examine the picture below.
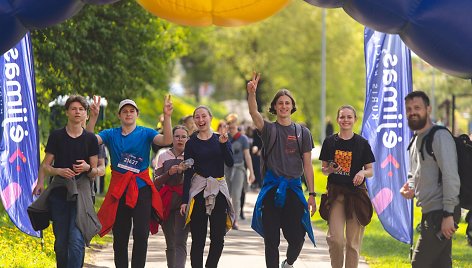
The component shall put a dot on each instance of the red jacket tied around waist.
(118, 185)
(166, 195)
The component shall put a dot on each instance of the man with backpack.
(281, 203)
(436, 185)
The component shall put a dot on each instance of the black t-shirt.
(67, 150)
(350, 154)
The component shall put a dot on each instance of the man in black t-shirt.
(71, 155)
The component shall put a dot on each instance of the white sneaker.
(284, 264)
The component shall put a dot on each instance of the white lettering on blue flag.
(19, 140)
(388, 81)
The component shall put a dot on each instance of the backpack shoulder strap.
(270, 145)
(299, 136)
(412, 140)
(267, 150)
(428, 141)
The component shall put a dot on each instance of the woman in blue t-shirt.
(205, 195)
(347, 160)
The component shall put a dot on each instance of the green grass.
(18, 249)
(383, 251)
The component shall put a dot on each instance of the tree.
(117, 51)
(286, 49)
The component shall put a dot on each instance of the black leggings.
(289, 218)
(139, 218)
(198, 229)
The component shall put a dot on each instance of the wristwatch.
(312, 194)
(447, 214)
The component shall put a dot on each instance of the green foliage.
(440, 87)
(117, 51)
(286, 49)
(18, 249)
(381, 250)
(151, 107)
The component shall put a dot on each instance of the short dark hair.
(280, 93)
(418, 94)
(76, 98)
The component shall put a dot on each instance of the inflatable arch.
(439, 32)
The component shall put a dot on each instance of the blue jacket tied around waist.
(282, 184)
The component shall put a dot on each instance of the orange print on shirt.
(344, 160)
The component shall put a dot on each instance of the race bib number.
(130, 162)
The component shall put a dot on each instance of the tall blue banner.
(388, 81)
(19, 140)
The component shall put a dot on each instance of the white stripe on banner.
(19, 140)
(388, 81)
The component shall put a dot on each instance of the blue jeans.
(69, 244)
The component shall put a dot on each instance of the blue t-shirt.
(135, 146)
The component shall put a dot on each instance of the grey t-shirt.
(285, 158)
(238, 146)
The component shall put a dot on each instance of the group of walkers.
(199, 179)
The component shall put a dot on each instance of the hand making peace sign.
(252, 85)
(168, 107)
(95, 106)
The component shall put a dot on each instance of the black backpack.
(464, 165)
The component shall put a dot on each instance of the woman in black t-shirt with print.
(347, 160)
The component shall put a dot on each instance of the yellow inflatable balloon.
(213, 12)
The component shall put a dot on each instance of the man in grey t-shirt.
(281, 203)
(437, 200)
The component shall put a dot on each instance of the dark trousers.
(287, 218)
(429, 250)
(468, 231)
(139, 218)
(243, 200)
(69, 244)
(198, 229)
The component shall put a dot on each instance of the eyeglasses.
(182, 137)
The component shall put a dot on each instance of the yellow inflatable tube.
(213, 12)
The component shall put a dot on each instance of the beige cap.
(127, 102)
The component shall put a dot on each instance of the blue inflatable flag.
(388, 81)
(19, 140)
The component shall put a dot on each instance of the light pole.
(323, 75)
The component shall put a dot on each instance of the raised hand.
(252, 85)
(95, 106)
(223, 134)
(168, 107)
